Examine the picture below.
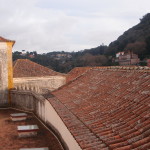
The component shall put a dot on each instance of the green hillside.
(136, 39)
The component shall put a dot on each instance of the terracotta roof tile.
(76, 72)
(107, 107)
(141, 142)
(27, 68)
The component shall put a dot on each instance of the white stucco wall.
(3, 74)
(53, 118)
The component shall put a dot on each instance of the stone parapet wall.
(39, 84)
(39, 105)
(25, 100)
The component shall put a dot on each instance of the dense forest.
(136, 39)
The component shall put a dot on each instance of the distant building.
(127, 58)
(63, 55)
(31, 56)
(119, 53)
(148, 62)
(23, 53)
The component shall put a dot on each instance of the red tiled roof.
(76, 72)
(107, 108)
(27, 68)
(6, 40)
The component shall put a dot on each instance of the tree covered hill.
(65, 61)
(136, 39)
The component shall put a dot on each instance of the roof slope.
(27, 68)
(107, 109)
(76, 72)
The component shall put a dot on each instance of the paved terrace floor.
(9, 139)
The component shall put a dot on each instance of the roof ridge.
(72, 80)
(142, 68)
(79, 68)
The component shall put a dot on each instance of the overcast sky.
(69, 25)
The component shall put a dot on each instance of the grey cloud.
(47, 25)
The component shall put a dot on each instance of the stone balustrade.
(39, 84)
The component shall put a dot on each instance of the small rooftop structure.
(46, 148)
(18, 116)
(27, 130)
